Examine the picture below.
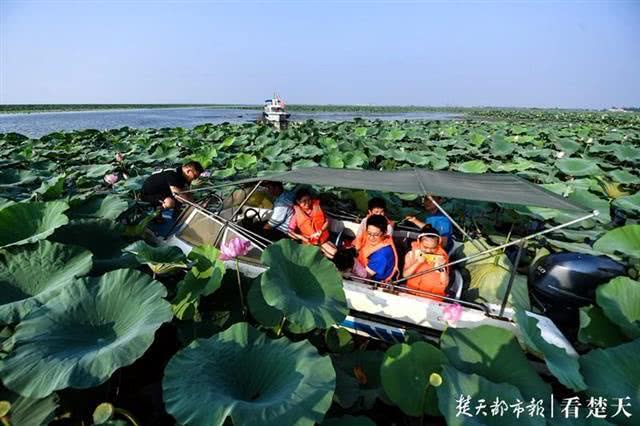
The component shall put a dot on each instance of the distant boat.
(275, 110)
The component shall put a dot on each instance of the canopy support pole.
(512, 277)
(475, 243)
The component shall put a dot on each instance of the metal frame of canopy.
(297, 176)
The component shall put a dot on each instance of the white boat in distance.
(275, 110)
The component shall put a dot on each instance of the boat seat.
(456, 284)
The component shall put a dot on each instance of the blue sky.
(575, 54)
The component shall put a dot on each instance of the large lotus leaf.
(355, 160)
(501, 147)
(630, 204)
(203, 279)
(568, 146)
(578, 167)
(486, 350)
(473, 166)
(417, 158)
(333, 159)
(348, 421)
(405, 373)
(625, 152)
(160, 260)
(242, 374)
(109, 207)
(244, 161)
(489, 284)
(4, 202)
(625, 240)
(597, 329)
(457, 385)
(624, 177)
(50, 189)
(24, 223)
(96, 170)
(29, 411)
(93, 327)
(264, 313)
(562, 365)
(305, 163)
(360, 370)
(614, 373)
(303, 284)
(14, 177)
(620, 302)
(309, 151)
(31, 275)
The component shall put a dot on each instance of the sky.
(567, 54)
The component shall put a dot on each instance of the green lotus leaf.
(96, 170)
(303, 284)
(264, 313)
(562, 365)
(457, 385)
(205, 156)
(309, 151)
(578, 167)
(614, 373)
(438, 163)
(338, 339)
(271, 152)
(224, 173)
(629, 204)
(355, 160)
(29, 411)
(4, 202)
(333, 159)
(109, 207)
(417, 158)
(24, 223)
(576, 247)
(360, 132)
(473, 166)
(160, 260)
(358, 382)
(500, 147)
(620, 302)
(405, 373)
(14, 177)
(103, 413)
(33, 274)
(625, 240)
(624, 177)
(203, 279)
(244, 161)
(93, 327)
(348, 421)
(50, 189)
(131, 184)
(302, 164)
(476, 139)
(485, 350)
(242, 374)
(625, 152)
(597, 329)
(395, 134)
(568, 146)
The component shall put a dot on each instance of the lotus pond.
(98, 327)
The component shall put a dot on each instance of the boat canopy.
(494, 187)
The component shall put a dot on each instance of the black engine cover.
(571, 279)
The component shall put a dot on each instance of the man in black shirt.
(159, 188)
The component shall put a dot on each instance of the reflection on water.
(38, 124)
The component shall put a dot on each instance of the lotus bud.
(234, 248)
(119, 157)
(435, 380)
(590, 140)
(452, 313)
(110, 179)
(559, 154)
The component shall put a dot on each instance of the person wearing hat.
(427, 253)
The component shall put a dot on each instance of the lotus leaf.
(333, 159)
(456, 385)
(620, 302)
(24, 223)
(625, 240)
(597, 329)
(578, 167)
(614, 373)
(13, 177)
(489, 284)
(625, 152)
(562, 365)
(93, 327)
(109, 207)
(242, 374)
(405, 373)
(303, 284)
(568, 146)
(244, 161)
(160, 260)
(501, 147)
(31, 275)
(473, 166)
(28, 411)
(629, 204)
(303, 164)
(358, 383)
(354, 160)
(50, 189)
(338, 339)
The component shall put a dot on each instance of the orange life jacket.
(429, 282)
(311, 223)
(368, 249)
(361, 238)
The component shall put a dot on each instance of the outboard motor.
(561, 283)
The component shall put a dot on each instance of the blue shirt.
(442, 224)
(382, 262)
(282, 211)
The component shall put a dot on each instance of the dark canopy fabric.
(499, 188)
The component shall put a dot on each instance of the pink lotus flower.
(234, 248)
(452, 313)
(111, 179)
(119, 157)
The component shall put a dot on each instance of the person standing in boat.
(427, 253)
(160, 188)
(376, 206)
(309, 223)
(378, 254)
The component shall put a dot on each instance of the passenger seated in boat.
(376, 206)
(277, 227)
(436, 219)
(426, 253)
(378, 255)
(309, 223)
(159, 188)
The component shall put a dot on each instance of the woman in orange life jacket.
(427, 253)
(309, 224)
(378, 254)
(376, 206)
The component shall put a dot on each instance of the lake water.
(38, 124)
